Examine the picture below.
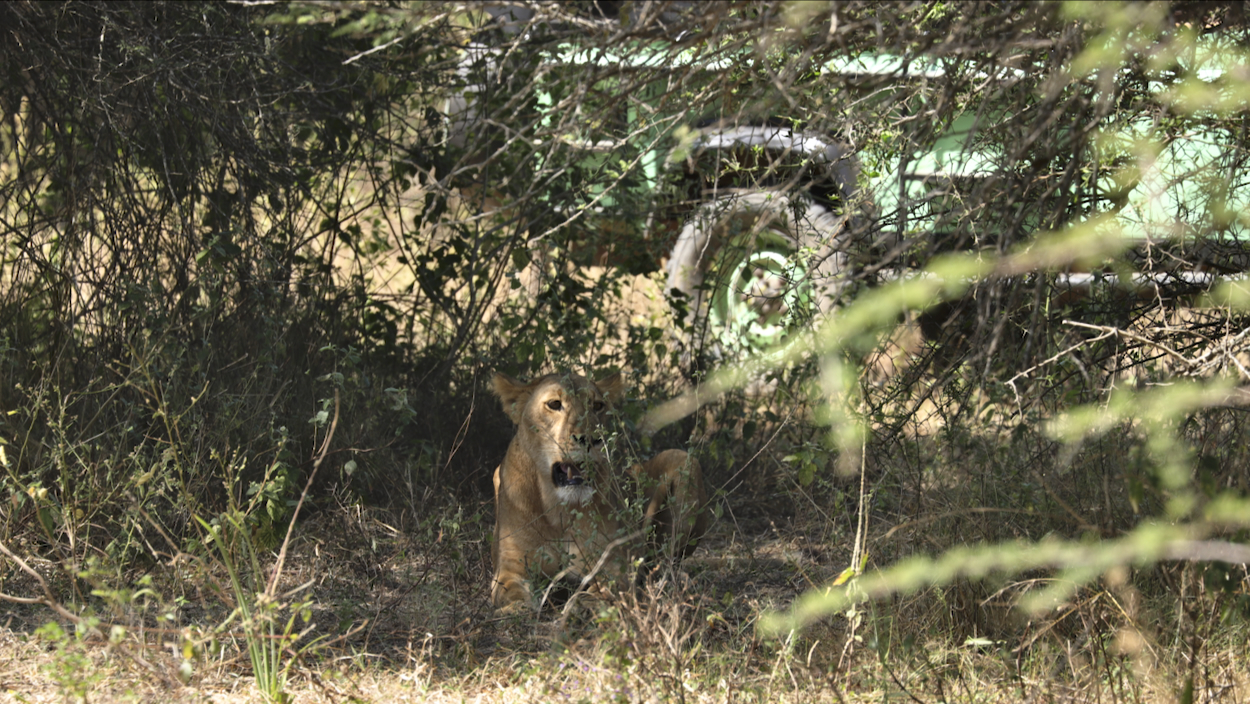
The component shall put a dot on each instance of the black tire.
(752, 267)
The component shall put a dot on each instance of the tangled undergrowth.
(256, 266)
(405, 605)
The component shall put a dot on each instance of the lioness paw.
(516, 608)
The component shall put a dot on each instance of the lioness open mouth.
(567, 474)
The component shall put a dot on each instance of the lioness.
(560, 495)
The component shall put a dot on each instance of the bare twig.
(586, 579)
(48, 599)
(272, 587)
(1108, 330)
(1056, 357)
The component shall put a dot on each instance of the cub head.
(559, 420)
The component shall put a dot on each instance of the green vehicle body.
(776, 274)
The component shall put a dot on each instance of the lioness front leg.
(510, 589)
(518, 554)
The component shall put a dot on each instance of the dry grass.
(418, 587)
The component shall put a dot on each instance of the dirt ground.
(406, 612)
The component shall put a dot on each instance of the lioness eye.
(598, 406)
(554, 404)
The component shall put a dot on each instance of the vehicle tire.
(751, 267)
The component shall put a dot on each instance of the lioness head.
(559, 418)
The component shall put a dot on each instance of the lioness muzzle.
(566, 474)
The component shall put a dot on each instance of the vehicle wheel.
(752, 267)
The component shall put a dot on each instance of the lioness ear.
(513, 394)
(612, 388)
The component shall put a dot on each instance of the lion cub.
(562, 499)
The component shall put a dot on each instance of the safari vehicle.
(761, 222)
(751, 220)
